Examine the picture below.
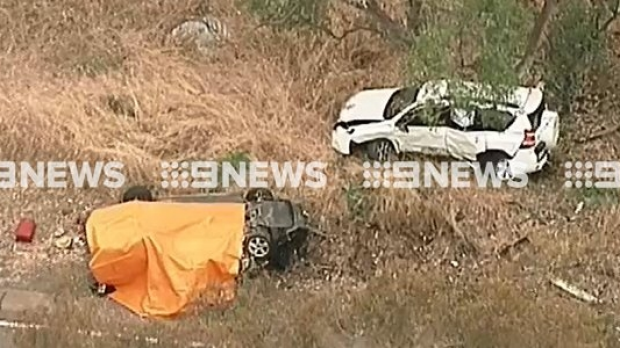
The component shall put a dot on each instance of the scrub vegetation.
(100, 80)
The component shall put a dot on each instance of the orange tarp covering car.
(161, 256)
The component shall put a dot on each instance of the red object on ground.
(25, 231)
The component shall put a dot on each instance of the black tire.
(137, 193)
(492, 158)
(381, 150)
(259, 245)
(259, 194)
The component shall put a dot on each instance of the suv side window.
(432, 115)
(413, 118)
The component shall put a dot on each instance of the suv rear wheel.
(500, 163)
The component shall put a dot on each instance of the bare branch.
(536, 37)
(386, 24)
(320, 27)
(614, 15)
(600, 134)
(345, 33)
(323, 28)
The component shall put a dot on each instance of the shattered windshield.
(400, 100)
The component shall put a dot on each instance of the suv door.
(417, 134)
(460, 143)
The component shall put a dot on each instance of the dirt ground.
(398, 268)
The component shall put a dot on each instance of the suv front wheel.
(381, 150)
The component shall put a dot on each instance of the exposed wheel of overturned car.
(259, 195)
(137, 193)
(258, 244)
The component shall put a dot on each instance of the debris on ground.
(574, 291)
(579, 208)
(203, 33)
(63, 242)
(25, 230)
(70, 233)
(514, 246)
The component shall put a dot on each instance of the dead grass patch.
(404, 309)
(274, 97)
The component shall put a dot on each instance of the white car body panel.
(508, 142)
(342, 140)
(367, 105)
(365, 112)
(549, 129)
(430, 141)
(464, 145)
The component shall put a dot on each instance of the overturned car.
(155, 254)
(274, 227)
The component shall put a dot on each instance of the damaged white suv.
(516, 136)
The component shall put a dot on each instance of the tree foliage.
(574, 49)
(490, 41)
(290, 14)
(478, 39)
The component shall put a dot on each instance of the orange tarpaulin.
(161, 256)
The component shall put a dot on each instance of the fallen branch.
(574, 291)
(345, 33)
(600, 134)
(514, 245)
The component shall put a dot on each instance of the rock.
(204, 32)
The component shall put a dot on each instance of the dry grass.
(71, 65)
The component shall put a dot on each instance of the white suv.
(516, 136)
